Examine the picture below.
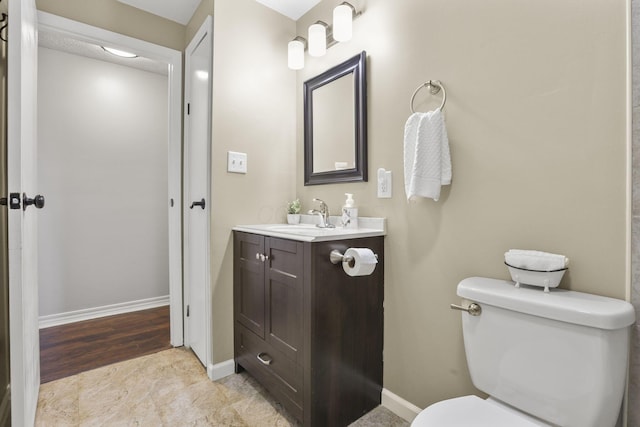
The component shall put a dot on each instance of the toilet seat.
(472, 411)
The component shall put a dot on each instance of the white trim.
(221, 370)
(629, 184)
(97, 312)
(402, 408)
(175, 194)
(173, 59)
(629, 153)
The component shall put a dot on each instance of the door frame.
(173, 59)
(205, 30)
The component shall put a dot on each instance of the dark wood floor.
(77, 347)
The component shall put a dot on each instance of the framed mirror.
(335, 124)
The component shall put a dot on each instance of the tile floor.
(169, 388)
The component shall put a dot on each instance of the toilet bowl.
(545, 359)
(471, 411)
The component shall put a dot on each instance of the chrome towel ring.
(434, 87)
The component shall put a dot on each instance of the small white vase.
(293, 218)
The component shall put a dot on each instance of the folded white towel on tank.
(535, 260)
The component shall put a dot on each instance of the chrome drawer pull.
(264, 361)
(473, 309)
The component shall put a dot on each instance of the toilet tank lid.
(558, 304)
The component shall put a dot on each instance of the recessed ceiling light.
(120, 53)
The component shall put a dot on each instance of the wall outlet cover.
(385, 184)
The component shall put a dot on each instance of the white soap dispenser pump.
(349, 212)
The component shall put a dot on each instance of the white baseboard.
(221, 370)
(402, 408)
(399, 406)
(97, 312)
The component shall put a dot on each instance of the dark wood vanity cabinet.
(307, 331)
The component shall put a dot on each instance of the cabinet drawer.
(277, 373)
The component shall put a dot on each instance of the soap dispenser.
(349, 212)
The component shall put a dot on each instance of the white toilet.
(545, 359)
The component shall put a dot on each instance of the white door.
(197, 190)
(21, 168)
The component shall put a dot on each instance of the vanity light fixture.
(343, 16)
(120, 53)
(295, 53)
(318, 38)
(322, 36)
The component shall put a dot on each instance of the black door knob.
(37, 201)
(201, 203)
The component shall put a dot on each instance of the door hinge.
(188, 108)
(187, 311)
(171, 202)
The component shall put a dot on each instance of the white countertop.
(307, 231)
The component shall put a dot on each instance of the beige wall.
(204, 9)
(120, 18)
(253, 112)
(536, 120)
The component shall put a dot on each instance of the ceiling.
(181, 11)
(294, 9)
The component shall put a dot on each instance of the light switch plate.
(236, 162)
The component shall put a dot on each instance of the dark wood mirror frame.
(357, 66)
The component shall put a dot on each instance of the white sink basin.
(285, 227)
(311, 233)
(306, 229)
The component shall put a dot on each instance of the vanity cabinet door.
(284, 283)
(249, 288)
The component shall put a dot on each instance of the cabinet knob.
(262, 257)
(258, 256)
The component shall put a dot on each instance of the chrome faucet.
(323, 213)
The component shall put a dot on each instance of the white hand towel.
(535, 260)
(410, 138)
(427, 161)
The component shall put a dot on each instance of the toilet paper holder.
(337, 257)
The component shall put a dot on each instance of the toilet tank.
(560, 356)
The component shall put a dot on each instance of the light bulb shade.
(317, 40)
(295, 52)
(342, 23)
